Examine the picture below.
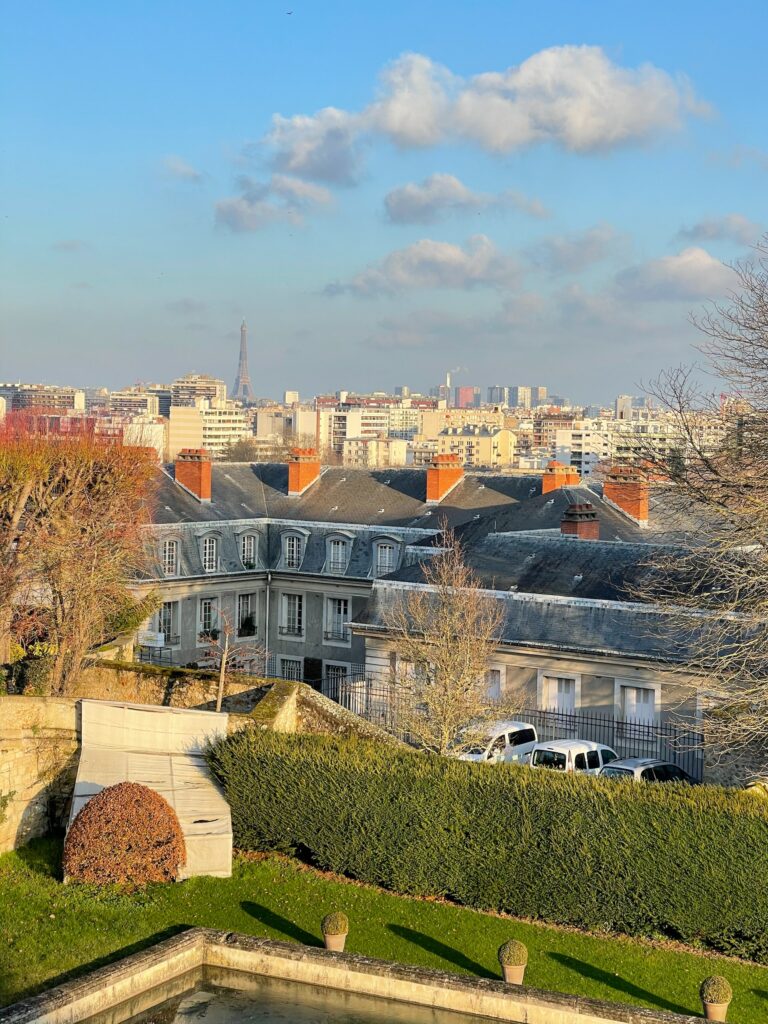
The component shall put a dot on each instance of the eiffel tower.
(242, 390)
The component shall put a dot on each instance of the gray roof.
(563, 624)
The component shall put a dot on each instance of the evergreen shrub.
(335, 924)
(686, 863)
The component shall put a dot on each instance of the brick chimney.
(193, 472)
(445, 473)
(303, 470)
(558, 475)
(581, 521)
(626, 488)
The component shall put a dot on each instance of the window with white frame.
(168, 622)
(292, 622)
(337, 555)
(248, 550)
(560, 694)
(638, 704)
(246, 615)
(293, 550)
(210, 554)
(209, 616)
(336, 673)
(170, 557)
(386, 558)
(337, 619)
(292, 668)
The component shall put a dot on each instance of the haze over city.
(526, 193)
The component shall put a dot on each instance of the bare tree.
(445, 633)
(229, 658)
(712, 492)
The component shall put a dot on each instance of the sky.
(519, 193)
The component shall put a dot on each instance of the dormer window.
(293, 551)
(386, 558)
(338, 554)
(210, 554)
(170, 557)
(248, 551)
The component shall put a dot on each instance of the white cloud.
(442, 194)
(572, 96)
(570, 253)
(181, 170)
(691, 274)
(430, 264)
(282, 199)
(733, 227)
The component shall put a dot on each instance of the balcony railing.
(291, 630)
(337, 633)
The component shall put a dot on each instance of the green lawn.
(49, 931)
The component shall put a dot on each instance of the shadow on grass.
(279, 924)
(760, 992)
(42, 856)
(437, 948)
(613, 981)
(102, 961)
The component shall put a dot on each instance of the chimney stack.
(626, 488)
(303, 470)
(580, 520)
(193, 472)
(558, 475)
(445, 473)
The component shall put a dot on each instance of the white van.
(504, 741)
(581, 756)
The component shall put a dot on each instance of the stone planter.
(715, 1011)
(335, 942)
(513, 974)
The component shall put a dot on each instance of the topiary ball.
(513, 954)
(335, 924)
(715, 989)
(125, 835)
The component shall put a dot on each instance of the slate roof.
(573, 625)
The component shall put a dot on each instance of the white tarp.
(161, 748)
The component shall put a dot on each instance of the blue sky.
(531, 193)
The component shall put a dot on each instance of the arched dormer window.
(294, 546)
(248, 550)
(210, 553)
(337, 552)
(385, 556)
(169, 556)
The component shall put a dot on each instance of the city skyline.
(456, 192)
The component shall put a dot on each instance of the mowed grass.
(50, 932)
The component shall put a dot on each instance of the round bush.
(715, 990)
(125, 835)
(335, 924)
(513, 953)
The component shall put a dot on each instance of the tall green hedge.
(641, 859)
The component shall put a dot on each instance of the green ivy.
(640, 859)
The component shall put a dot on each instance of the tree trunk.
(222, 672)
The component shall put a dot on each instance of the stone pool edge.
(115, 983)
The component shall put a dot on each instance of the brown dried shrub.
(125, 835)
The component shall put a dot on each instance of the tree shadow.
(437, 948)
(279, 923)
(42, 856)
(613, 981)
(761, 992)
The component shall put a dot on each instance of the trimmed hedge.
(690, 864)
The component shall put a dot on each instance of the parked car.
(646, 769)
(505, 741)
(581, 756)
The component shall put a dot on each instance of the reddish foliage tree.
(125, 835)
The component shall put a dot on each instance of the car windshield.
(616, 773)
(549, 759)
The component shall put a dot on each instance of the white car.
(505, 741)
(582, 756)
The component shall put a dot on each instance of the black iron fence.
(378, 702)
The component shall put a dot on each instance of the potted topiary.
(335, 928)
(716, 995)
(513, 956)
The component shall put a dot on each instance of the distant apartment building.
(520, 397)
(422, 451)
(147, 432)
(3, 408)
(538, 396)
(334, 426)
(185, 391)
(42, 396)
(291, 398)
(435, 420)
(466, 397)
(492, 448)
(163, 394)
(134, 402)
(498, 395)
(96, 399)
(375, 452)
(212, 425)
